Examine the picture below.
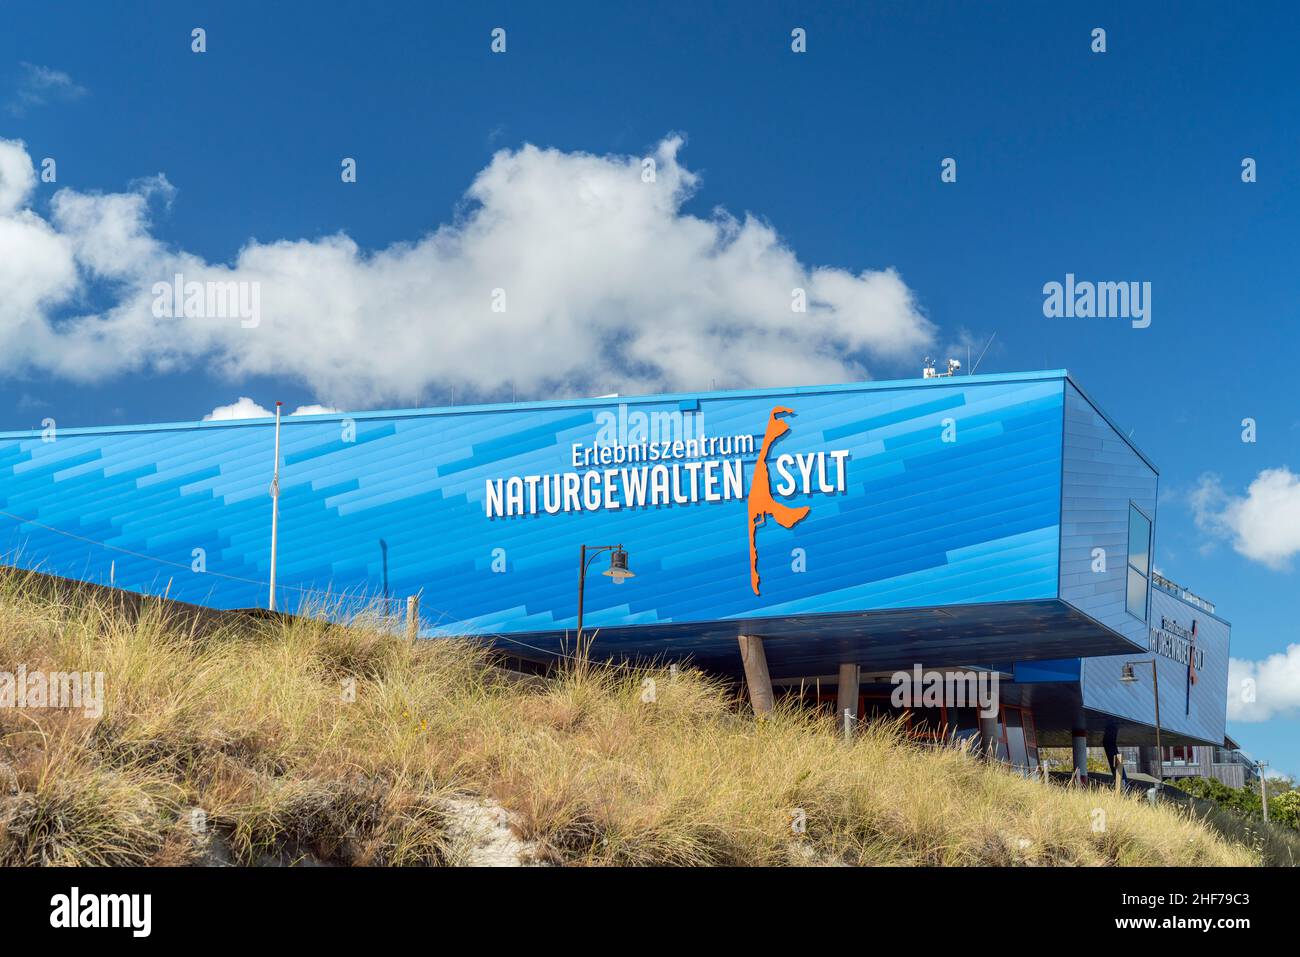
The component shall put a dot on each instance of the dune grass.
(278, 741)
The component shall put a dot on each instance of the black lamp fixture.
(618, 571)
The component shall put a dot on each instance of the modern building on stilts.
(878, 547)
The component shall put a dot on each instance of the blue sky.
(1124, 165)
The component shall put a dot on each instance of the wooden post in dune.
(756, 674)
(413, 617)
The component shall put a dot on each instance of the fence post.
(413, 617)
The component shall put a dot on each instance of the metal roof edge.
(869, 386)
(1109, 421)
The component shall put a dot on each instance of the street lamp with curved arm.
(617, 570)
(1128, 677)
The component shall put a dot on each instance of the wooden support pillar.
(989, 736)
(757, 678)
(847, 701)
(1079, 749)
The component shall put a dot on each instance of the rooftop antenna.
(986, 349)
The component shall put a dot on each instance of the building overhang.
(807, 645)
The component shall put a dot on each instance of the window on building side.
(1139, 561)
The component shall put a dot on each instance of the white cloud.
(1260, 690)
(241, 408)
(17, 176)
(609, 285)
(1264, 525)
(37, 265)
(246, 408)
(40, 85)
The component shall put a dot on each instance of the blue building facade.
(949, 520)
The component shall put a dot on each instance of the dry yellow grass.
(253, 727)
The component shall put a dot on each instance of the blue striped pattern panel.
(399, 508)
